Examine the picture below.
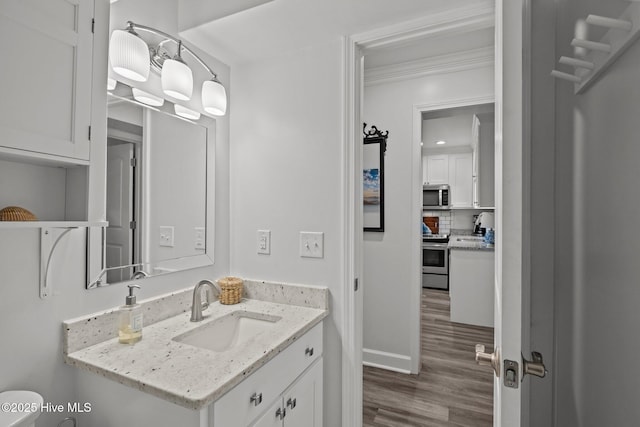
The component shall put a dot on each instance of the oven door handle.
(435, 245)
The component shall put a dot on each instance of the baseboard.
(389, 361)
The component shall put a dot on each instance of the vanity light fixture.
(147, 98)
(441, 142)
(128, 52)
(129, 55)
(177, 77)
(185, 112)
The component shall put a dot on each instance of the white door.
(119, 235)
(512, 182)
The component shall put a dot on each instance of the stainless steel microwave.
(436, 197)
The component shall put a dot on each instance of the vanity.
(256, 363)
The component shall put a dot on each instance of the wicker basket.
(231, 290)
(16, 213)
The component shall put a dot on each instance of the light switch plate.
(264, 242)
(311, 244)
(166, 235)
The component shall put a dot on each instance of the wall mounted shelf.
(622, 33)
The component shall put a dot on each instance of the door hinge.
(89, 133)
(132, 225)
(134, 162)
(356, 284)
(93, 25)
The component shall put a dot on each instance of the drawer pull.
(291, 403)
(256, 399)
(309, 351)
(281, 413)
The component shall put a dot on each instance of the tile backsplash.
(457, 219)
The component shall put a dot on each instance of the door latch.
(511, 373)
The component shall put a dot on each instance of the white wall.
(387, 257)
(597, 295)
(31, 328)
(286, 177)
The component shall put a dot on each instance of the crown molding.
(440, 64)
(454, 21)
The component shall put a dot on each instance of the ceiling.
(279, 26)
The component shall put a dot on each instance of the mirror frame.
(96, 255)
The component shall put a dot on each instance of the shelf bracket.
(49, 239)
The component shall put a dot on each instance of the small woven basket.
(16, 213)
(230, 290)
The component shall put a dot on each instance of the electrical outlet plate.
(166, 236)
(311, 244)
(199, 238)
(264, 242)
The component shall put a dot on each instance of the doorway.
(394, 394)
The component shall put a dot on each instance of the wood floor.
(451, 389)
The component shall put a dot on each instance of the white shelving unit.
(51, 232)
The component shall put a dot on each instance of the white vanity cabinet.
(46, 79)
(300, 405)
(287, 391)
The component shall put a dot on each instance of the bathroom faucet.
(139, 275)
(198, 306)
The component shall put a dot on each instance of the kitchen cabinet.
(471, 286)
(461, 179)
(287, 391)
(437, 169)
(46, 81)
(483, 145)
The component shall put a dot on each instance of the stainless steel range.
(435, 261)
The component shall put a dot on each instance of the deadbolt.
(489, 359)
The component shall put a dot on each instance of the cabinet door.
(273, 417)
(437, 169)
(45, 80)
(303, 401)
(461, 180)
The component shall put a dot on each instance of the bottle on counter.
(130, 319)
(489, 237)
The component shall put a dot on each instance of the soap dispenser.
(130, 319)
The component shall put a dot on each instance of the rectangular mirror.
(157, 167)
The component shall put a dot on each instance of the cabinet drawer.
(236, 408)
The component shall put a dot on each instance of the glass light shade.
(129, 55)
(185, 112)
(214, 98)
(147, 98)
(111, 83)
(177, 79)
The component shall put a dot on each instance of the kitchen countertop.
(191, 376)
(469, 242)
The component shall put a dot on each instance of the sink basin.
(229, 331)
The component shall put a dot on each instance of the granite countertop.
(183, 374)
(469, 242)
